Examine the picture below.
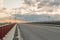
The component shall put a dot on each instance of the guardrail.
(5, 29)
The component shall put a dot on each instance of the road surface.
(39, 32)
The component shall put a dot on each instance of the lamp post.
(15, 15)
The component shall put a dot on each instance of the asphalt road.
(39, 32)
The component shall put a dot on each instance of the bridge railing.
(5, 29)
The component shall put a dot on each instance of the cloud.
(49, 2)
(2, 15)
(37, 18)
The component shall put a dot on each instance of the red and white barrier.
(5, 29)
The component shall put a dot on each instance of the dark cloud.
(36, 18)
(50, 2)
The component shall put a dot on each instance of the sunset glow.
(13, 21)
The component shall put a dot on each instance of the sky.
(43, 7)
(12, 3)
(17, 3)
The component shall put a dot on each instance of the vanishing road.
(39, 32)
